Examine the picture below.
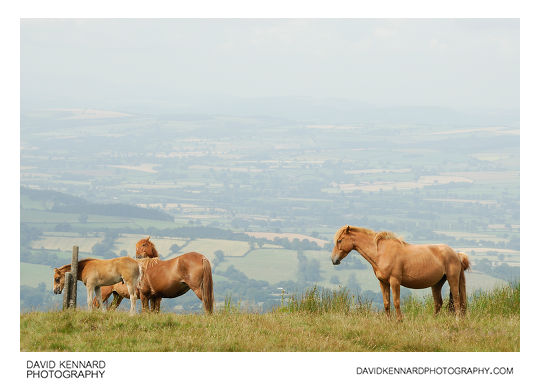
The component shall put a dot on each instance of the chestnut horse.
(119, 291)
(166, 279)
(95, 273)
(143, 249)
(397, 263)
(173, 277)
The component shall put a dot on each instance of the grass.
(318, 320)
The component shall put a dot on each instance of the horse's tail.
(207, 286)
(465, 265)
(464, 259)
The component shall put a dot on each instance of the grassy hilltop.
(318, 320)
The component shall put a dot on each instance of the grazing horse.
(95, 273)
(396, 263)
(173, 277)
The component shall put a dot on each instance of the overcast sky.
(400, 62)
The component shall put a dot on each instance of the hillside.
(316, 321)
(58, 202)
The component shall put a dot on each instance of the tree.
(83, 218)
(174, 249)
(220, 256)
(309, 270)
(63, 227)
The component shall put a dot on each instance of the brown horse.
(95, 273)
(143, 249)
(397, 263)
(119, 291)
(173, 277)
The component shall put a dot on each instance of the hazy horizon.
(194, 65)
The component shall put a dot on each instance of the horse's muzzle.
(335, 261)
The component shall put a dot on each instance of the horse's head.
(343, 244)
(58, 281)
(145, 249)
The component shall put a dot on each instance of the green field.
(32, 275)
(272, 265)
(208, 247)
(316, 321)
(66, 243)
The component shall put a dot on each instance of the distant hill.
(65, 203)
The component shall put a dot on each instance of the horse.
(143, 249)
(119, 291)
(397, 263)
(174, 277)
(95, 273)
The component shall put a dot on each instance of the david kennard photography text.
(65, 369)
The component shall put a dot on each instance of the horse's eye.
(339, 241)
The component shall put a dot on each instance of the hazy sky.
(471, 63)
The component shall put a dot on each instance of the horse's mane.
(380, 236)
(147, 262)
(356, 229)
(82, 261)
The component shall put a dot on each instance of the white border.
(274, 367)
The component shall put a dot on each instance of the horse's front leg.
(97, 291)
(395, 286)
(385, 288)
(144, 302)
(155, 304)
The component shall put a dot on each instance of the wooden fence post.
(67, 290)
(74, 268)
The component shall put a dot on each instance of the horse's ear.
(348, 229)
(148, 238)
(56, 270)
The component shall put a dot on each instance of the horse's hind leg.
(117, 298)
(437, 297)
(89, 290)
(453, 281)
(451, 307)
(97, 291)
